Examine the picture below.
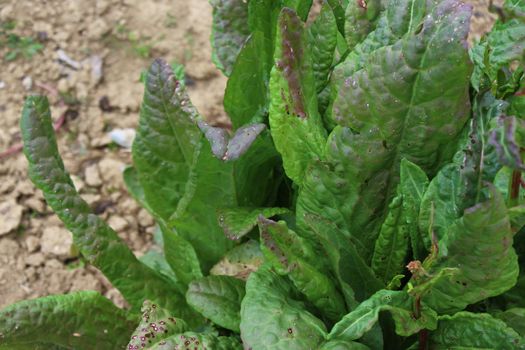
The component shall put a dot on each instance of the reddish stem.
(423, 334)
(515, 187)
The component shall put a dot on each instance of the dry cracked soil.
(92, 57)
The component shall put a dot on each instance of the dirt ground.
(94, 52)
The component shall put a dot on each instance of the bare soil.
(94, 52)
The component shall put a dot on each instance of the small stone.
(85, 281)
(2, 84)
(144, 218)
(35, 204)
(98, 29)
(27, 83)
(10, 216)
(56, 241)
(91, 198)
(36, 259)
(111, 171)
(92, 176)
(118, 223)
(77, 181)
(32, 244)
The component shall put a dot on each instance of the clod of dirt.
(10, 216)
(111, 172)
(92, 176)
(56, 241)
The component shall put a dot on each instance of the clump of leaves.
(369, 195)
(16, 45)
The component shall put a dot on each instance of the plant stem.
(514, 190)
(423, 334)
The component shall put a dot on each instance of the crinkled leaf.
(466, 330)
(401, 107)
(218, 298)
(288, 254)
(246, 182)
(296, 125)
(197, 341)
(347, 190)
(460, 185)
(401, 224)
(508, 139)
(413, 184)
(479, 247)
(81, 320)
(241, 261)
(392, 243)
(514, 318)
(156, 324)
(410, 92)
(398, 303)
(360, 20)
(229, 31)
(246, 98)
(322, 40)
(356, 278)
(238, 222)
(400, 17)
(167, 137)
(271, 317)
(503, 45)
(98, 243)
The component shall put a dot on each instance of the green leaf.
(413, 184)
(98, 243)
(322, 41)
(238, 222)
(246, 182)
(400, 225)
(271, 318)
(355, 277)
(508, 138)
(156, 260)
(167, 139)
(338, 7)
(514, 318)
(289, 255)
(240, 261)
(479, 247)
(398, 303)
(343, 345)
(360, 19)
(181, 257)
(466, 330)
(296, 125)
(397, 106)
(246, 96)
(81, 320)
(229, 31)
(135, 188)
(503, 45)
(392, 244)
(218, 298)
(197, 341)
(156, 324)
(347, 190)
(401, 92)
